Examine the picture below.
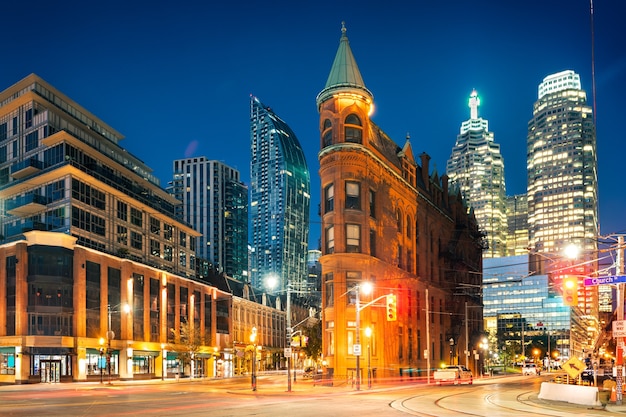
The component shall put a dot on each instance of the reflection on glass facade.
(519, 309)
(279, 200)
(476, 168)
(215, 203)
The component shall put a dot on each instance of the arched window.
(399, 220)
(353, 129)
(408, 227)
(327, 133)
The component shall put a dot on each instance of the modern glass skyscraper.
(517, 220)
(562, 167)
(563, 185)
(215, 203)
(476, 167)
(279, 201)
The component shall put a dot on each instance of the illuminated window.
(330, 239)
(353, 238)
(353, 129)
(329, 198)
(353, 195)
(327, 133)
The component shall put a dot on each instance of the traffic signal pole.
(619, 349)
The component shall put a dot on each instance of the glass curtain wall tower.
(476, 168)
(215, 203)
(279, 201)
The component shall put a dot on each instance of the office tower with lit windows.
(517, 225)
(476, 168)
(279, 201)
(563, 185)
(215, 203)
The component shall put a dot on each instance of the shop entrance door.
(50, 371)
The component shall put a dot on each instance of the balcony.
(26, 168)
(18, 229)
(26, 205)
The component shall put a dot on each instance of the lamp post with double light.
(253, 341)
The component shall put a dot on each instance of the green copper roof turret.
(344, 75)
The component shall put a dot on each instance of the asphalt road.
(507, 396)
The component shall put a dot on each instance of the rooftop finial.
(343, 28)
(474, 102)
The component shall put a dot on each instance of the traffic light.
(391, 307)
(570, 291)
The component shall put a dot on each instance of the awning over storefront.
(145, 353)
(172, 356)
(10, 349)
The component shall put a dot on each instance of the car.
(587, 375)
(310, 372)
(530, 369)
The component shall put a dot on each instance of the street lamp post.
(100, 359)
(451, 348)
(253, 341)
(163, 364)
(110, 335)
(368, 333)
(366, 287)
(485, 346)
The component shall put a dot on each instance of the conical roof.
(344, 74)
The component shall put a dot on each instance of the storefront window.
(143, 365)
(7, 364)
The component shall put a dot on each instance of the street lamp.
(163, 364)
(451, 348)
(366, 287)
(485, 346)
(100, 359)
(110, 335)
(368, 333)
(253, 341)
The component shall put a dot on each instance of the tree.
(313, 349)
(188, 342)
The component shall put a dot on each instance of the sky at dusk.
(175, 77)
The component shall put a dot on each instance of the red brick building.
(388, 221)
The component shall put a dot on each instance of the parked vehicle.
(530, 369)
(310, 372)
(453, 374)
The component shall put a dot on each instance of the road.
(507, 396)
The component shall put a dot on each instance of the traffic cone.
(613, 394)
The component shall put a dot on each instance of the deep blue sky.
(175, 77)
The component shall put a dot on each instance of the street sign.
(619, 328)
(287, 353)
(357, 350)
(573, 367)
(613, 279)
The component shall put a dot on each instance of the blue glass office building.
(279, 201)
(521, 312)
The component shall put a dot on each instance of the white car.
(530, 369)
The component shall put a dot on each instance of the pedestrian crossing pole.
(619, 349)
